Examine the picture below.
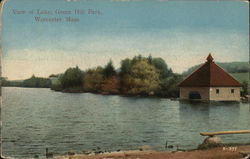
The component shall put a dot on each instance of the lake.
(36, 118)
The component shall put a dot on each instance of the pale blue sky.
(181, 32)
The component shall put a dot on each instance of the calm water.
(34, 119)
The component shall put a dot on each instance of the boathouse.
(210, 82)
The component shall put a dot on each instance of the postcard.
(132, 79)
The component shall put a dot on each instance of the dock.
(225, 132)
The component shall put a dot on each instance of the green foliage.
(126, 65)
(161, 65)
(169, 86)
(3, 78)
(231, 67)
(56, 82)
(241, 77)
(150, 59)
(235, 67)
(93, 80)
(109, 70)
(137, 59)
(142, 75)
(53, 75)
(245, 88)
(142, 79)
(191, 70)
(137, 76)
(15, 83)
(3, 81)
(37, 82)
(111, 85)
(73, 77)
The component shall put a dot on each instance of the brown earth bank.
(235, 152)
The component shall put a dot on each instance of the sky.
(183, 33)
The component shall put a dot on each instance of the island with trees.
(140, 76)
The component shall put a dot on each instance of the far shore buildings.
(210, 82)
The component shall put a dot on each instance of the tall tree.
(126, 65)
(150, 59)
(143, 78)
(111, 85)
(161, 65)
(109, 70)
(93, 80)
(73, 77)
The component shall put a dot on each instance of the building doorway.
(194, 95)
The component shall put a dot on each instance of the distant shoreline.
(129, 95)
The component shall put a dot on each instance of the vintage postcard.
(125, 79)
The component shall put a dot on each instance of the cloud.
(180, 49)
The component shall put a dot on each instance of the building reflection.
(209, 115)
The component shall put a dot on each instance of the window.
(217, 91)
(232, 90)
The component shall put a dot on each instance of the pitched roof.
(210, 75)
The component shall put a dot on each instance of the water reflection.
(194, 112)
(199, 117)
(210, 116)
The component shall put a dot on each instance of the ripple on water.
(34, 119)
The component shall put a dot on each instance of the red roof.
(210, 75)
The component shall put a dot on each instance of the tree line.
(34, 82)
(139, 75)
(230, 67)
(146, 76)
